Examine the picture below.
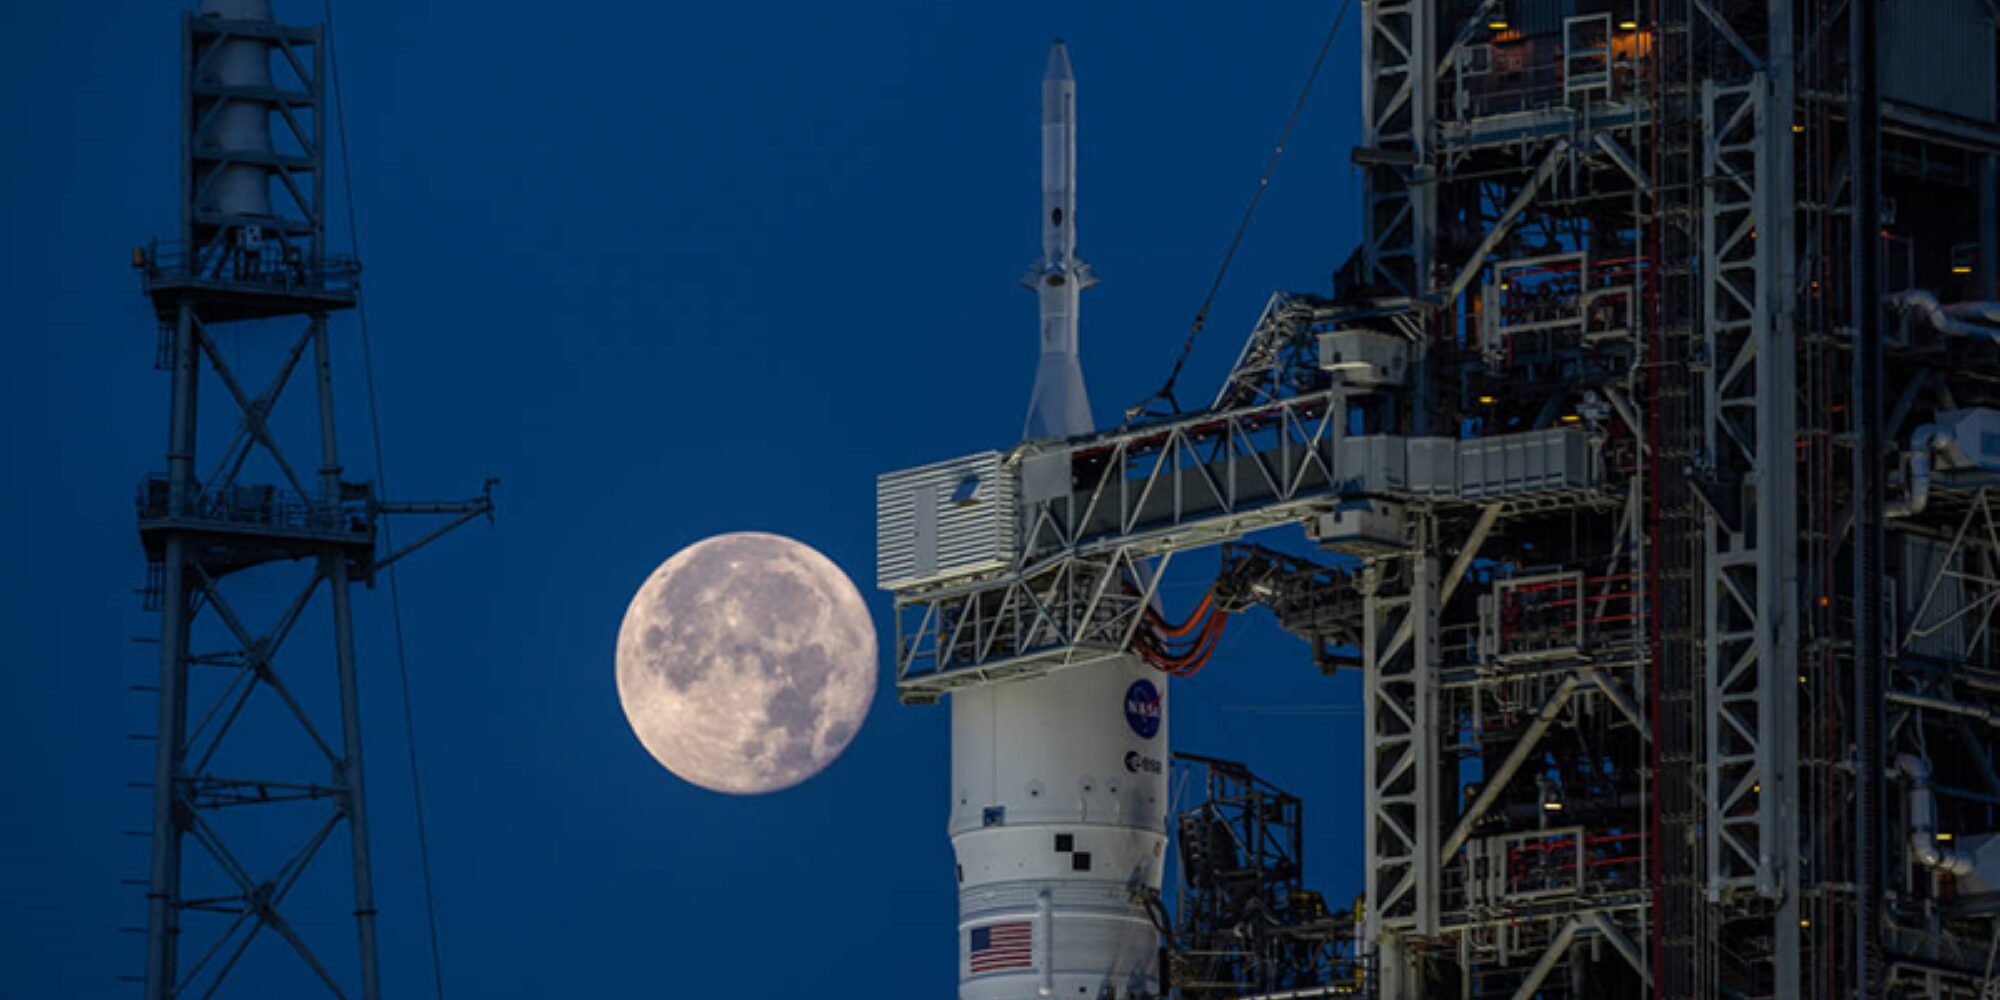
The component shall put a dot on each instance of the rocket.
(1058, 406)
(1059, 785)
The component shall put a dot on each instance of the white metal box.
(1364, 357)
(946, 519)
(1360, 529)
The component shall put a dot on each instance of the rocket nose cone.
(1058, 62)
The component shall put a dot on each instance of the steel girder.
(1398, 81)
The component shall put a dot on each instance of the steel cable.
(1166, 392)
(382, 479)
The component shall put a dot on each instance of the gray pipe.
(1927, 439)
(1924, 846)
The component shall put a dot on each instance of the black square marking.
(1080, 861)
(1065, 842)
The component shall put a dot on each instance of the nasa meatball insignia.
(1142, 708)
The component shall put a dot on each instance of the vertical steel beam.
(334, 566)
(163, 884)
(1864, 118)
(1778, 498)
(1398, 41)
(1401, 789)
(1989, 227)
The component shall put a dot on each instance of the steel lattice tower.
(251, 259)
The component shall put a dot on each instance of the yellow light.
(1798, 128)
(1944, 838)
(1553, 806)
(1497, 24)
(1487, 400)
(1802, 678)
(1570, 418)
(1961, 269)
(1628, 25)
(1803, 922)
(1757, 787)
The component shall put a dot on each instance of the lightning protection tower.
(236, 560)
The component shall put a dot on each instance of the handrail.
(262, 506)
(278, 267)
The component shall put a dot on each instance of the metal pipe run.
(1924, 846)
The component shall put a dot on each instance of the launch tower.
(235, 561)
(1649, 440)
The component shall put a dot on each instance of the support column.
(334, 566)
(163, 884)
(1869, 669)
(1400, 714)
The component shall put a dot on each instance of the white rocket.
(1059, 790)
(1058, 407)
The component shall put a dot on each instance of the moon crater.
(746, 663)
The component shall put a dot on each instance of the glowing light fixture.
(1628, 25)
(1961, 269)
(1487, 400)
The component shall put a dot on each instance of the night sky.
(666, 270)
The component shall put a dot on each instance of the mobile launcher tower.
(1649, 440)
(258, 766)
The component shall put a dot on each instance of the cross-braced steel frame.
(232, 682)
(1630, 735)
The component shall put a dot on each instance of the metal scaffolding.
(1650, 430)
(244, 299)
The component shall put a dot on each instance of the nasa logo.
(1142, 708)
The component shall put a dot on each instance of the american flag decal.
(1002, 946)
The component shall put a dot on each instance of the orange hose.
(1195, 619)
(1187, 663)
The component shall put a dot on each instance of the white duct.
(1966, 319)
(1928, 439)
(1924, 846)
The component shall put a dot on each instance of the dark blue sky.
(667, 269)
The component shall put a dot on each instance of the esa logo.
(1137, 762)
(1142, 708)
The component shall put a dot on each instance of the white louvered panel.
(944, 520)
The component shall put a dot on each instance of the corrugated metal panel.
(1535, 462)
(1938, 54)
(1374, 464)
(1433, 466)
(944, 519)
(1940, 629)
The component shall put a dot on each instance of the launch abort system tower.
(236, 561)
(1648, 442)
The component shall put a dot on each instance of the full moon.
(746, 663)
